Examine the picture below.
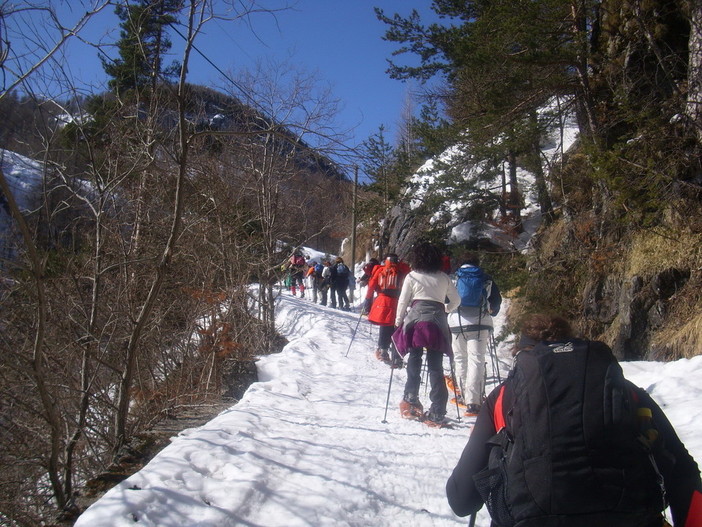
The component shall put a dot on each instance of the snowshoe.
(458, 400)
(472, 410)
(411, 410)
(435, 420)
(382, 355)
(449, 383)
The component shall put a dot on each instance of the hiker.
(309, 280)
(325, 284)
(385, 283)
(368, 272)
(314, 278)
(424, 326)
(297, 265)
(446, 263)
(471, 330)
(567, 441)
(339, 283)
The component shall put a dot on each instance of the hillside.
(633, 286)
(125, 273)
(617, 250)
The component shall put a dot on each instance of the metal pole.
(353, 230)
(354, 334)
(455, 386)
(387, 401)
(495, 361)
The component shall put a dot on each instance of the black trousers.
(384, 336)
(435, 366)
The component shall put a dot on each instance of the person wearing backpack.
(317, 280)
(297, 266)
(471, 330)
(339, 284)
(385, 283)
(311, 280)
(567, 441)
(421, 325)
(325, 283)
(368, 272)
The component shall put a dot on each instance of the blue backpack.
(318, 270)
(471, 286)
(342, 270)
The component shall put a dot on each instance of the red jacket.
(382, 312)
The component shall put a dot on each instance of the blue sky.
(337, 40)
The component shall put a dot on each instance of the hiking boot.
(382, 355)
(472, 410)
(433, 419)
(411, 408)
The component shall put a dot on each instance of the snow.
(24, 176)
(310, 443)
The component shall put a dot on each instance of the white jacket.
(436, 287)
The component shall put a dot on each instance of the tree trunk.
(694, 70)
(38, 362)
(124, 393)
(514, 197)
(584, 102)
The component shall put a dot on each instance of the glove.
(367, 305)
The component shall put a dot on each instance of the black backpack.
(571, 444)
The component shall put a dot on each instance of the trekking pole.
(473, 517)
(493, 355)
(483, 396)
(354, 334)
(387, 401)
(455, 387)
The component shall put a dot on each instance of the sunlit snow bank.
(307, 445)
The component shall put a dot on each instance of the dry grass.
(552, 240)
(681, 341)
(654, 251)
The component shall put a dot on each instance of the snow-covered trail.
(306, 446)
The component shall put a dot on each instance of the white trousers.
(469, 355)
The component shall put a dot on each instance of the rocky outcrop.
(633, 309)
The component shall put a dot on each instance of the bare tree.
(104, 321)
(283, 168)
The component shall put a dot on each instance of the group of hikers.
(409, 304)
(328, 280)
(564, 441)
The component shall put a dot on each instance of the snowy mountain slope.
(427, 182)
(24, 177)
(306, 446)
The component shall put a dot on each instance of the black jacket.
(679, 470)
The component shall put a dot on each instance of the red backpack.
(389, 280)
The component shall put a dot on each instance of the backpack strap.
(694, 513)
(498, 416)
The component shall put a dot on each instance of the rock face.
(404, 228)
(633, 308)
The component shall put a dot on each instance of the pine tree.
(142, 45)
